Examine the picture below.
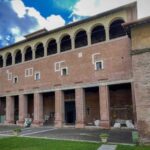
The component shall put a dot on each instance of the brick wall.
(117, 66)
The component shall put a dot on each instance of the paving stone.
(107, 147)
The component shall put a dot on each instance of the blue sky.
(21, 17)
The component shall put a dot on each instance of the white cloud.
(51, 22)
(55, 21)
(16, 34)
(19, 8)
(92, 7)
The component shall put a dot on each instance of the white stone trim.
(102, 63)
(28, 72)
(15, 77)
(57, 65)
(35, 73)
(93, 57)
(62, 71)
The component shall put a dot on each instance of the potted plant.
(104, 137)
(17, 131)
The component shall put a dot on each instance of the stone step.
(107, 147)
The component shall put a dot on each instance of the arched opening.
(28, 54)
(116, 29)
(39, 52)
(1, 61)
(52, 47)
(65, 43)
(18, 57)
(81, 39)
(9, 59)
(98, 34)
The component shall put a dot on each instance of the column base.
(20, 123)
(9, 122)
(37, 123)
(80, 125)
(105, 124)
(58, 124)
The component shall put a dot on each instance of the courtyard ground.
(92, 134)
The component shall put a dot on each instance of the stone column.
(89, 38)
(22, 109)
(59, 109)
(104, 107)
(4, 61)
(80, 108)
(58, 46)
(38, 110)
(72, 43)
(23, 56)
(45, 51)
(33, 53)
(107, 32)
(9, 110)
(13, 59)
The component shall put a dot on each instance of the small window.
(64, 71)
(29, 72)
(99, 65)
(37, 76)
(15, 80)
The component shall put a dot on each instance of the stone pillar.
(104, 106)
(89, 38)
(59, 109)
(13, 59)
(72, 42)
(107, 32)
(4, 61)
(22, 109)
(9, 110)
(23, 56)
(58, 46)
(80, 108)
(38, 110)
(45, 51)
(33, 53)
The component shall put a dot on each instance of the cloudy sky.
(20, 17)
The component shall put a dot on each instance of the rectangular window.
(15, 79)
(57, 65)
(64, 71)
(29, 72)
(37, 76)
(99, 65)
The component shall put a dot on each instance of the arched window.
(81, 39)
(65, 43)
(116, 29)
(28, 54)
(1, 61)
(52, 47)
(9, 59)
(18, 57)
(39, 52)
(98, 34)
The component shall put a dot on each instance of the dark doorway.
(16, 108)
(70, 113)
